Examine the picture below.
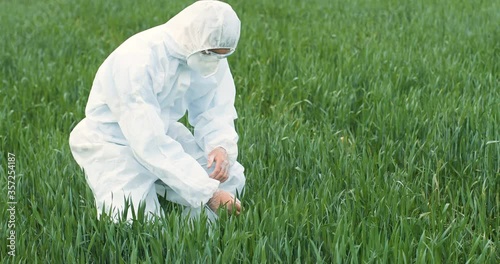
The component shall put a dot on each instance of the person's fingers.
(223, 179)
(224, 173)
(210, 160)
(221, 165)
(225, 176)
(234, 206)
(217, 170)
(237, 204)
(225, 199)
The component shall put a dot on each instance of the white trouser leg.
(113, 174)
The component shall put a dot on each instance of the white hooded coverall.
(131, 145)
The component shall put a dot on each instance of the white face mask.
(205, 65)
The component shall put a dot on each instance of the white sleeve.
(213, 115)
(138, 113)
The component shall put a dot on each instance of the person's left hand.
(223, 198)
(221, 171)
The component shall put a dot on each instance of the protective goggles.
(218, 55)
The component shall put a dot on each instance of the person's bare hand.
(221, 171)
(223, 198)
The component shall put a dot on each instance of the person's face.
(206, 62)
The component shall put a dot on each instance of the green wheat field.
(369, 130)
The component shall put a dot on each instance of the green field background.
(369, 131)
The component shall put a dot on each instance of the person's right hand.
(221, 171)
(223, 198)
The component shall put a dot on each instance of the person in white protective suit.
(130, 143)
